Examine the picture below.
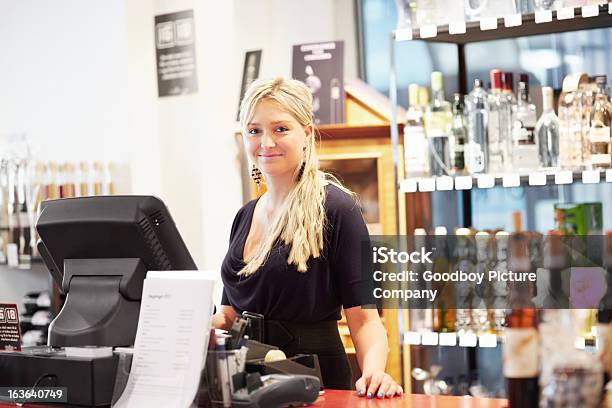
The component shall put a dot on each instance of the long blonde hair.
(301, 221)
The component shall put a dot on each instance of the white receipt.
(171, 341)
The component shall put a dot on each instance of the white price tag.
(590, 176)
(565, 13)
(590, 11)
(412, 338)
(564, 177)
(456, 27)
(408, 185)
(448, 339)
(609, 175)
(463, 182)
(513, 20)
(403, 34)
(487, 340)
(488, 23)
(580, 343)
(537, 179)
(427, 184)
(428, 31)
(468, 340)
(485, 181)
(511, 180)
(544, 16)
(12, 255)
(444, 183)
(429, 339)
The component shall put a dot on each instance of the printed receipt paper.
(171, 341)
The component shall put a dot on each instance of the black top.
(278, 291)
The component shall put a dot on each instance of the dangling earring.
(256, 175)
(301, 171)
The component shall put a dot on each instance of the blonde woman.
(294, 253)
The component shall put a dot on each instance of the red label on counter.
(10, 333)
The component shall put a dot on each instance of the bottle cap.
(437, 80)
(413, 94)
(420, 231)
(463, 231)
(547, 98)
(477, 83)
(524, 78)
(496, 79)
(440, 231)
(423, 96)
(508, 81)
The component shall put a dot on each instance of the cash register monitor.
(98, 250)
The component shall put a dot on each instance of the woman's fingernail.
(370, 395)
(389, 394)
(381, 395)
(360, 392)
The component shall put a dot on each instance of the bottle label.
(475, 158)
(599, 134)
(521, 353)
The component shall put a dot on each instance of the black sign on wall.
(175, 49)
(10, 333)
(321, 67)
(250, 72)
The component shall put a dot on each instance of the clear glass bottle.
(426, 12)
(421, 318)
(458, 137)
(601, 123)
(404, 15)
(438, 123)
(477, 152)
(464, 293)
(483, 292)
(525, 150)
(571, 122)
(547, 132)
(544, 5)
(416, 157)
(444, 312)
(500, 288)
(499, 125)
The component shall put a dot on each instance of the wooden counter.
(341, 399)
(344, 399)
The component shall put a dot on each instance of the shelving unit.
(415, 191)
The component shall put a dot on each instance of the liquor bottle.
(458, 137)
(4, 211)
(421, 318)
(507, 117)
(404, 15)
(464, 293)
(416, 151)
(521, 362)
(555, 259)
(571, 122)
(426, 12)
(499, 124)
(601, 122)
(484, 291)
(438, 123)
(444, 313)
(547, 132)
(109, 184)
(525, 150)
(545, 5)
(51, 182)
(476, 154)
(12, 250)
(23, 207)
(500, 288)
(98, 179)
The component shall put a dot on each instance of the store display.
(438, 124)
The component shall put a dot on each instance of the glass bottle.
(500, 288)
(483, 298)
(525, 150)
(547, 132)
(444, 313)
(499, 124)
(421, 318)
(416, 158)
(571, 122)
(601, 122)
(521, 363)
(458, 137)
(438, 123)
(404, 17)
(464, 292)
(477, 152)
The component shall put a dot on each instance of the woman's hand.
(377, 384)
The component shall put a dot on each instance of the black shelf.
(528, 28)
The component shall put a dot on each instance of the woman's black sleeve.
(235, 224)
